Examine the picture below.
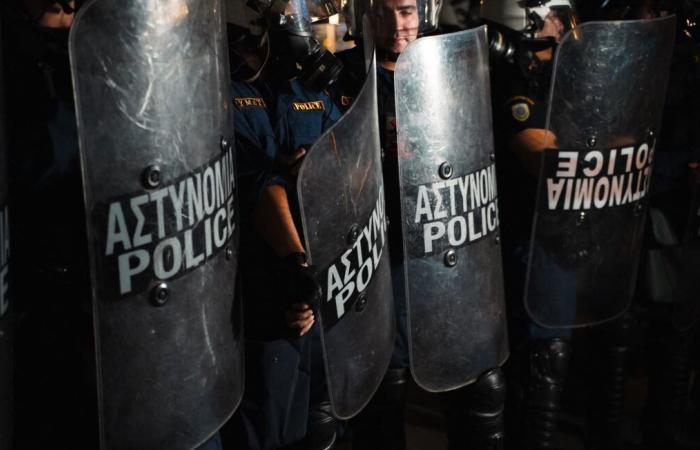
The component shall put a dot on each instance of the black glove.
(301, 284)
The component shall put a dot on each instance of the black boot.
(321, 429)
(380, 426)
(549, 360)
(475, 415)
(611, 359)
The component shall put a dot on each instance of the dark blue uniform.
(520, 103)
(50, 276)
(284, 373)
(668, 281)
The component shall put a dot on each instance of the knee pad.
(489, 393)
(321, 431)
(549, 361)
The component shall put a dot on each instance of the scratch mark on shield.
(206, 335)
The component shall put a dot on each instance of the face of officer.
(50, 14)
(396, 24)
(553, 27)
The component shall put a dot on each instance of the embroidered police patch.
(317, 105)
(247, 102)
(521, 111)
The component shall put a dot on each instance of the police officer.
(280, 109)
(50, 268)
(474, 413)
(540, 363)
(54, 406)
(520, 88)
(667, 286)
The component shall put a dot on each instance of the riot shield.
(452, 257)
(341, 200)
(607, 96)
(151, 92)
(6, 322)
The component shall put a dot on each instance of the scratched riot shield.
(605, 107)
(151, 90)
(6, 323)
(452, 258)
(341, 198)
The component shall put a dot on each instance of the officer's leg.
(274, 409)
(540, 357)
(380, 426)
(671, 350)
(673, 306)
(548, 366)
(322, 426)
(475, 414)
(611, 357)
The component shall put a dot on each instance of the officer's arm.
(528, 144)
(274, 221)
(275, 224)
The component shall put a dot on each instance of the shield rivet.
(581, 218)
(445, 170)
(450, 258)
(583, 254)
(592, 141)
(229, 253)
(353, 234)
(651, 134)
(160, 294)
(225, 144)
(152, 177)
(638, 208)
(497, 239)
(361, 302)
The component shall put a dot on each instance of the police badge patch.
(521, 111)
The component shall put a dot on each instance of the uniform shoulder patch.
(520, 111)
(317, 105)
(249, 102)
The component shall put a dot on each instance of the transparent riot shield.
(151, 90)
(605, 107)
(6, 322)
(341, 198)
(452, 258)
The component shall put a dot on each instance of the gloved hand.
(303, 293)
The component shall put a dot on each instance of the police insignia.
(521, 111)
(317, 105)
(247, 102)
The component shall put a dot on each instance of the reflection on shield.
(452, 257)
(151, 88)
(607, 97)
(341, 198)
